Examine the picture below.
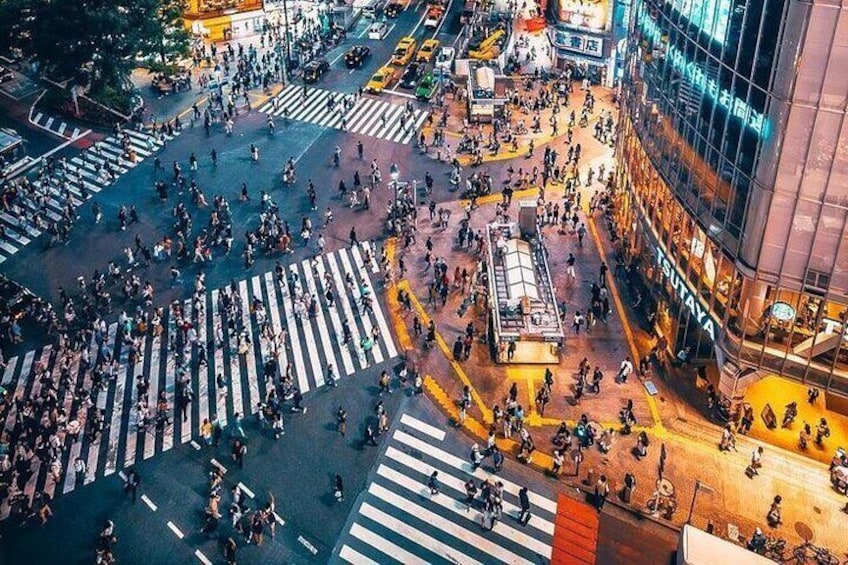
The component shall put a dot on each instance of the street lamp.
(699, 486)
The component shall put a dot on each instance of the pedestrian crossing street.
(368, 115)
(85, 177)
(399, 521)
(312, 343)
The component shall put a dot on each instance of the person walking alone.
(132, 483)
(524, 501)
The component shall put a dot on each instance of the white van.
(697, 547)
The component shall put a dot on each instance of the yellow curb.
(625, 323)
(446, 350)
(401, 331)
(497, 196)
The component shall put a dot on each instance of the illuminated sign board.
(686, 294)
(579, 42)
(835, 326)
(587, 15)
(710, 16)
(693, 72)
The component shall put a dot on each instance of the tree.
(102, 39)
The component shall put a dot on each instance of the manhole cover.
(804, 531)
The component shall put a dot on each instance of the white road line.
(309, 331)
(458, 508)
(385, 331)
(11, 365)
(342, 302)
(294, 340)
(203, 559)
(326, 342)
(357, 300)
(246, 490)
(148, 502)
(354, 557)
(250, 358)
(334, 318)
(220, 394)
(460, 464)
(416, 536)
(173, 527)
(386, 547)
(219, 466)
(115, 428)
(274, 312)
(423, 427)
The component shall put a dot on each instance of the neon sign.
(734, 106)
(710, 16)
(686, 294)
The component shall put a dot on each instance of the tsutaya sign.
(686, 294)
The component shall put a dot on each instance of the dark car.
(393, 9)
(411, 75)
(356, 56)
(314, 70)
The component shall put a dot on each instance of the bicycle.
(809, 553)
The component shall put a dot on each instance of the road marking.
(385, 546)
(148, 502)
(219, 466)
(416, 536)
(352, 556)
(305, 543)
(279, 519)
(195, 445)
(246, 490)
(173, 527)
(203, 559)
(423, 427)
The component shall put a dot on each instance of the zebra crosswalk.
(367, 115)
(29, 213)
(398, 520)
(271, 321)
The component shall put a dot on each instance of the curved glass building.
(732, 171)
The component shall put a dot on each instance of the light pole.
(394, 173)
(287, 42)
(699, 486)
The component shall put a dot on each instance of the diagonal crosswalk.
(367, 115)
(398, 520)
(237, 351)
(30, 213)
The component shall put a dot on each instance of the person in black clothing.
(524, 500)
(132, 483)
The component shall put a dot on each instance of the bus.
(12, 151)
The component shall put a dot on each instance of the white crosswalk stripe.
(268, 309)
(399, 520)
(84, 175)
(364, 115)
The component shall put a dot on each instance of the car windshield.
(400, 51)
(377, 77)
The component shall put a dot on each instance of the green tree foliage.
(100, 41)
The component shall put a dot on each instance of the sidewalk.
(674, 418)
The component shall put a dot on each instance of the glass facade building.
(732, 192)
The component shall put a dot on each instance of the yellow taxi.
(382, 79)
(428, 49)
(404, 51)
